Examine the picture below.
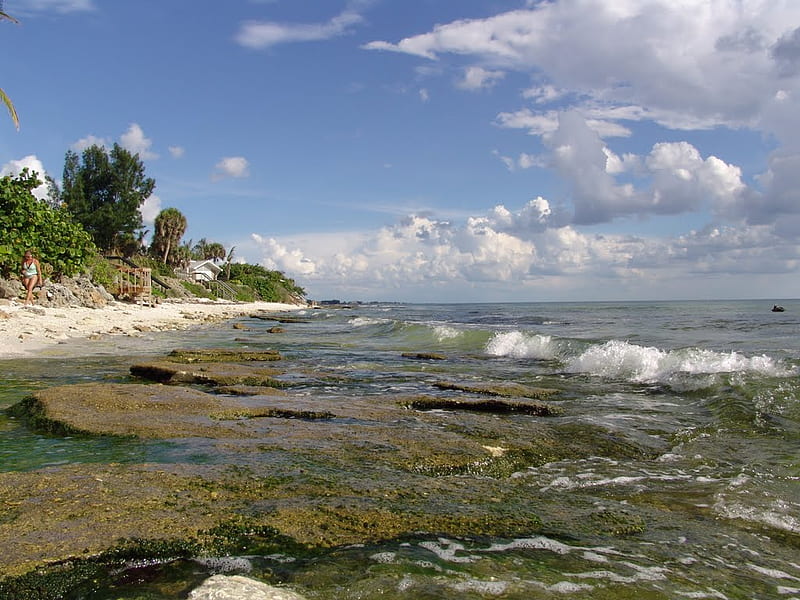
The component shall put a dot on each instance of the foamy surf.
(236, 587)
(618, 359)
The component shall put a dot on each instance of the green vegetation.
(99, 208)
(29, 223)
(271, 286)
(104, 193)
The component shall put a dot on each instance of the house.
(203, 270)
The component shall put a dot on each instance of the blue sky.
(432, 150)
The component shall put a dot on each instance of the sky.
(440, 150)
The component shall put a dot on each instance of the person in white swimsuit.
(31, 271)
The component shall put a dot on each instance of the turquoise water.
(710, 388)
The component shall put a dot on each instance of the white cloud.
(236, 167)
(136, 142)
(280, 258)
(265, 34)
(176, 151)
(525, 254)
(34, 165)
(150, 209)
(674, 178)
(684, 65)
(90, 140)
(478, 78)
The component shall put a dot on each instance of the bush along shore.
(341, 470)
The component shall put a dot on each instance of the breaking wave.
(618, 359)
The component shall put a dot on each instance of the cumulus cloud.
(524, 250)
(265, 34)
(89, 141)
(478, 78)
(672, 179)
(236, 167)
(692, 64)
(176, 151)
(34, 165)
(150, 209)
(280, 258)
(136, 142)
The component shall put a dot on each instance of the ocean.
(705, 394)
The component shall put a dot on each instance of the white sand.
(26, 330)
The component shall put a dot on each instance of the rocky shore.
(290, 470)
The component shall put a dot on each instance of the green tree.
(170, 225)
(3, 97)
(29, 223)
(105, 192)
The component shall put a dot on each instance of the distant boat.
(776, 308)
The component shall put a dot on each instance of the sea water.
(711, 388)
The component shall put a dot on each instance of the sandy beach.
(26, 330)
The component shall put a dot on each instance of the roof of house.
(199, 265)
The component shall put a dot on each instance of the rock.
(222, 355)
(499, 407)
(506, 390)
(212, 374)
(10, 289)
(424, 355)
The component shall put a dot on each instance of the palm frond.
(7, 101)
(7, 16)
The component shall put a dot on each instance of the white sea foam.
(364, 321)
(445, 332)
(517, 344)
(223, 587)
(622, 360)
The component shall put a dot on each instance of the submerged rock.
(424, 355)
(508, 390)
(222, 355)
(212, 374)
(481, 405)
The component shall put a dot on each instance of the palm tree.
(3, 97)
(215, 251)
(170, 225)
(228, 261)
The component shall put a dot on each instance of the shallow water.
(709, 388)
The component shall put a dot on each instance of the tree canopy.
(104, 191)
(29, 223)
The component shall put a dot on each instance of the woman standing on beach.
(31, 271)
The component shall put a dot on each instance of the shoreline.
(28, 330)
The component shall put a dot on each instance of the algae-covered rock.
(424, 355)
(219, 355)
(508, 390)
(212, 374)
(481, 405)
(132, 410)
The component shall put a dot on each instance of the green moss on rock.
(507, 390)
